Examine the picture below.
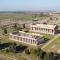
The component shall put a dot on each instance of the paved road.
(50, 41)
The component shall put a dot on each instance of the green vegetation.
(21, 16)
(54, 46)
(5, 31)
(48, 36)
(27, 51)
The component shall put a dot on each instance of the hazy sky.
(29, 5)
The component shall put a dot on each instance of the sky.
(29, 5)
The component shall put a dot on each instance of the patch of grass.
(48, 36)
(54, 46)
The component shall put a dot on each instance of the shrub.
(5, 31)
(27, 51)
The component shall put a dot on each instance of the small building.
(44, 28)
(28, 38)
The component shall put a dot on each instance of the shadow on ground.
(4, 45)
(20, 48)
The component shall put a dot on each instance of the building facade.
(28, 38)
(43, 28)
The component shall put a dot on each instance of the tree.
(51, 56)
(23, 25)
(19, 28)
(34, 52)
(27, 51)
(41, 54)
(46, 56)
(12, 47)
(26, 31)
(5, 31)
(38, 51)
(51, 18)
(15, 26)
(35, 15)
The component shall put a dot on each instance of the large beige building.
(44, 28)
(28, 38)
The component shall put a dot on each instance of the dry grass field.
(20, 16)
(54, 46)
